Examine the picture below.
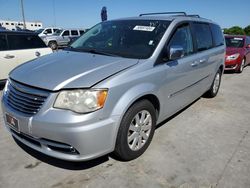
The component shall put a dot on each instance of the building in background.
(14, 25)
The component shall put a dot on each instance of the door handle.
(37, 54)
(202, 61)
(9, 56)
(194, 64)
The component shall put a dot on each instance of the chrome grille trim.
(24, 99)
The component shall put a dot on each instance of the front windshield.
(39, 31)
(58, 32)
(234, 42)
(126, 38)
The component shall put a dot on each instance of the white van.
(17, 48)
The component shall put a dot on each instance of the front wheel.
(242, 65)
(212, 92)
(136, 131)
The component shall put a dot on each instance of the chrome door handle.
(9, 56)
(194, 64)
(202, 61)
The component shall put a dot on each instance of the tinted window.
(217, 35)
(49, 31)
(74, 32)
(203, 36)
(53, 29)
(248, 40)
(234, 42)
(3, 43)
(182, 37)
(81, 32)
(17, 42)
(127, 38)
(65, 33)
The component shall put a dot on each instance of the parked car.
(48, 31)
(17, 48)
(111, 87)
(62, 38)
(237, 53)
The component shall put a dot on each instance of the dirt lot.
(206, 145)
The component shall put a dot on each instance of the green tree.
(235, 30)
(247, 30)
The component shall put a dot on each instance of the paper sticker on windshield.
(144, 28)
(238, 38)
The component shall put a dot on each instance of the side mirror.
(175, 52)
(45, 32)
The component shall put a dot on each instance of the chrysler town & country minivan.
(112, 86)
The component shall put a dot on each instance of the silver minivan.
(108, 90)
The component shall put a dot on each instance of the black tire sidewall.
(212, 91)
(242, 62)
(122, 149)
(51, 44)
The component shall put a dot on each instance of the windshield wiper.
(94, 51)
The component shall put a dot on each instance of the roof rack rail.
(194, 15)
(156, 13)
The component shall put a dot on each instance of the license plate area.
(12, 122)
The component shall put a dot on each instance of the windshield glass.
(234, 42)
(39, 31)
(58, 32)
(127, 38)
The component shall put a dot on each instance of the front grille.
(24, 99)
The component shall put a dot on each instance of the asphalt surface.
(206, 145)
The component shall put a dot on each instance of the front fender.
(131, 95)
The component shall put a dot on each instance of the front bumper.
(233, 64)
(64, 134)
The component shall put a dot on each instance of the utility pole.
(54, 12)
(24, 24)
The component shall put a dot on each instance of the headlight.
(233, 57)
(80, 100)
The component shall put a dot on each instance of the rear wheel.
(136, 131)
(53, 45)
(242, 65)
(212, 92)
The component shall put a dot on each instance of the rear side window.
(65, 33)
(3, 43)
(217, 35)
(48, 31)
(55, 30)
(18, 42)
(203, 36)
(74, 32)
(247, 40)
(81, 32)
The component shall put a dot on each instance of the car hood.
(231, 51)
(67, 69)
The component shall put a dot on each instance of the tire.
(212, 92)
(242, 65)
(133, 139)
(53, 45)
